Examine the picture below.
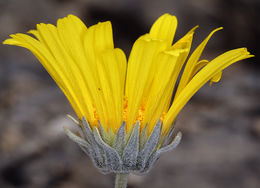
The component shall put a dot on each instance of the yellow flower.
(102, 86)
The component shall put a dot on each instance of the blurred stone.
(11, 138)
(134, 180)
(255, 128)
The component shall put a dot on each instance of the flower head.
(104, 87)
(126, 108)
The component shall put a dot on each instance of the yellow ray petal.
(164, 28)
(192, 62)
(157, 99)
(110, 73)
(35, 33)
(98, 38)
(197, 67)
(72, 31)
(50, 37)
(216, 78)
(211, 69)
(140, 71)
(201, 64)
(47, 60)
(183, 44)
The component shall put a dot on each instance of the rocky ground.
(220, 126)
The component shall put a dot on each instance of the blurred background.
(220, 125)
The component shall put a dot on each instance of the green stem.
(121, 180)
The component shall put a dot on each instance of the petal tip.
(9, 41)
(5, 41)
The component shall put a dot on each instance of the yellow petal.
(164, 28)
(140, 71)
(98, 39)
(183, 44)
(110, 70)
(47, 60)
(197, 67)
(216, 78)
(201, 64)
(72, 31)
(157, 98)
(211, 69)
(50, 37)
(192, 62)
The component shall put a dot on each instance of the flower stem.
(121, 180)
